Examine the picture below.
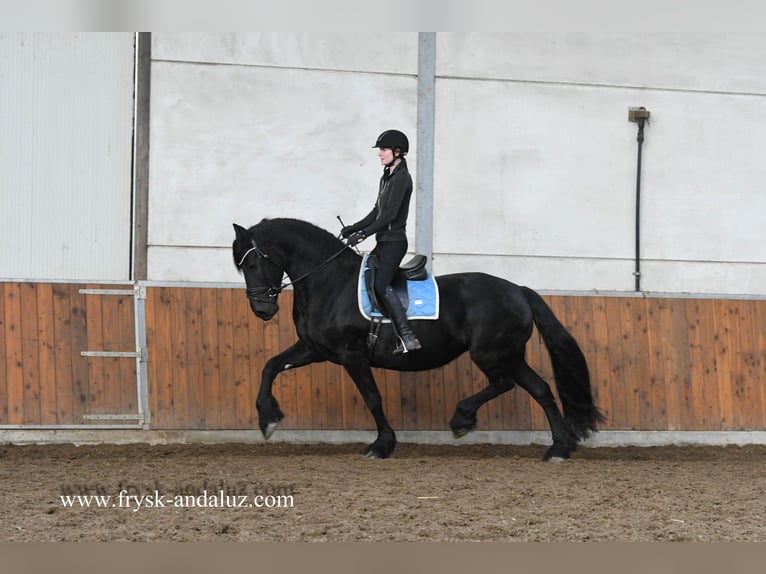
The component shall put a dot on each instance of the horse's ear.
(241, 232)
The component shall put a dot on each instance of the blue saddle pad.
(423, 304)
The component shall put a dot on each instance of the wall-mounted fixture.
(639, 116)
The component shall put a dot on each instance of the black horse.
(490, 317)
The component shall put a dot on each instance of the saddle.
(412, 270)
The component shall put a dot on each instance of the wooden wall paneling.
(743, 408)
(620, 372)
(30, 354)
(95, 342)
(436, 383)
(3, 359)
(111, 340)
(669, 373)
(196, 380)
(211, 373)
(731, 393)
(747, 376)
(722, 381)
(657, 416)
(408, 383)
(152, 364)
(79, 335)
(598, 363)
(179, 358)
(643, 365)
(680, 341)
(160, 357)
(757, 337)
(697, 375)
(14, 373)
(633, 354)
(759, 350)
(62, 310)
(317, 373)
(226, 358)
(423, 400)
(703, 350)
(126, 328)
(334, 397)
(47, 350)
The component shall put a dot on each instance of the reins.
(272, 292)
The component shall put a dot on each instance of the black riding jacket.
(388, 219)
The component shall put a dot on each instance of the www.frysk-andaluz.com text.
(207, 495)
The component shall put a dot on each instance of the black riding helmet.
(393, 139)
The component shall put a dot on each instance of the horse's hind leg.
(564, 442)
(464, 419)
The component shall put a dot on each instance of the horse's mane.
(279, 228)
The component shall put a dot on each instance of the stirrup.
(401, 347)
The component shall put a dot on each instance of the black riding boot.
(399, 318)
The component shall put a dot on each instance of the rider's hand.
(355, 238)
(346, 231)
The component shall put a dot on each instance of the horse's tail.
(569, 368)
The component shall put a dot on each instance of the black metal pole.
(640, 139)
(640, 116)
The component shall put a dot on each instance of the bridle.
(272, 291)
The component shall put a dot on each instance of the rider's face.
(386, 155)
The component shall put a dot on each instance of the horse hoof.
(557, 459)
(557, 453)
(269, 430)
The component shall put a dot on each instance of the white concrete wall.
(535, 160)
(267, 125)
(537, 127)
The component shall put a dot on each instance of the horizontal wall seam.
(287, 68)
(600, 86)
(513, 255)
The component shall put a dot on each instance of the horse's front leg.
(359, 370)
(269, 413)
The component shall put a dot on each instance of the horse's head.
(263, 277)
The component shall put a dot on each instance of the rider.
(388, 221)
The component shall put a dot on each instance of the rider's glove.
(355, 238)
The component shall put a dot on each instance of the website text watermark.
(207, 495)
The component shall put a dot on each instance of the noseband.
(255, 293)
